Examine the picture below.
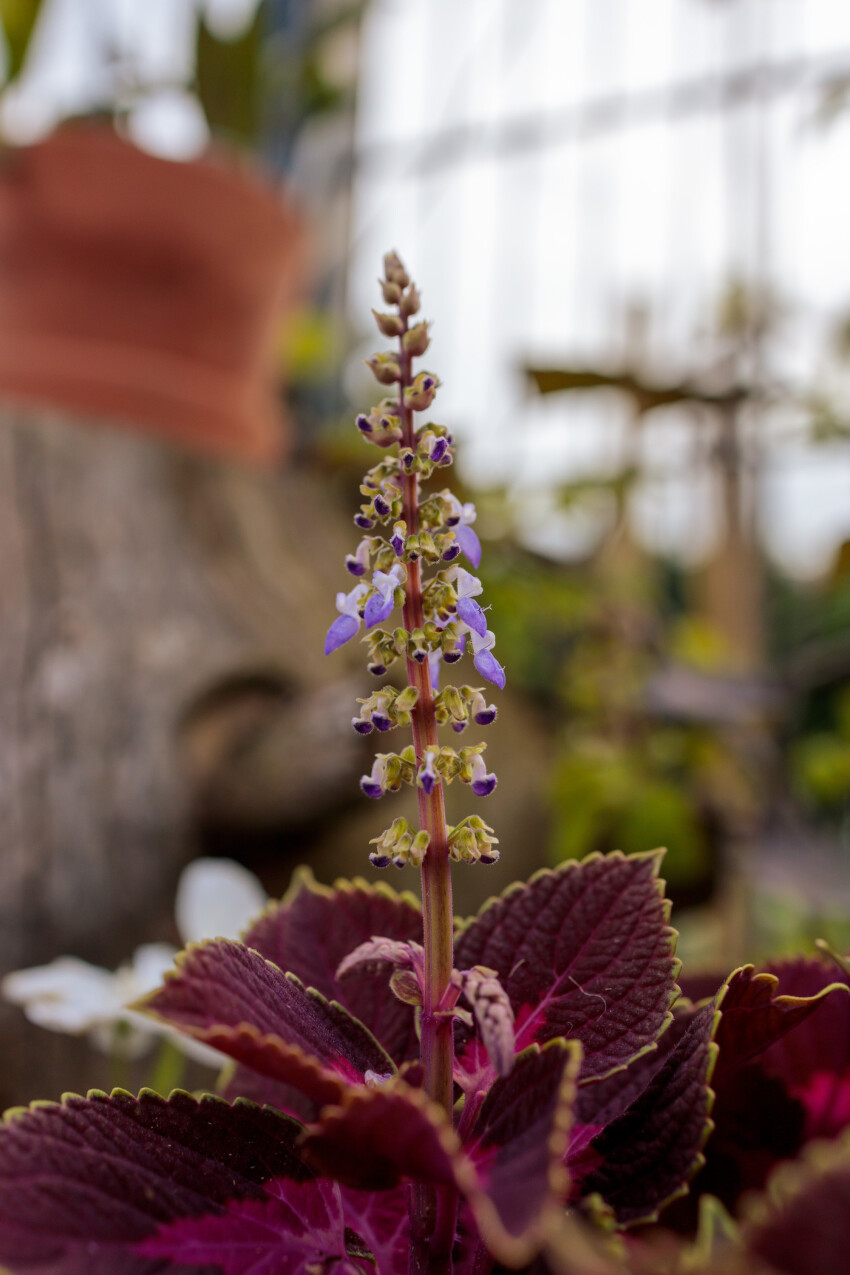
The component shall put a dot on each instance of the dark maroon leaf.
(230, 997)
(378, 1135)
(756, 1013)
(517, 1146)
(601, 1102)
(85, 1184)
(781, 1077)
(314, 927)
(813, 1061)
(647, 1155)
(244, 1082)
(584, 952)
(801, 1226)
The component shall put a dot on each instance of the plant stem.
(437, 1047)
(432, 1215)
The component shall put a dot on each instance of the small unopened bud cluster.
(472, 841)
(400, 845)
(407, 532)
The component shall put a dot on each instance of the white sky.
(538, 255)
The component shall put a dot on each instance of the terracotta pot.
(146, 291)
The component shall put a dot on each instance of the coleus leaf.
(584, 952)
(510, 1167)
(142, 1185)
(647, 1155)
(802, 1222)
(813, 1061)
(757, 1012)
(782, 1075)
(314, 927)
(228, 996)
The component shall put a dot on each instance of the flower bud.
(407, 699)
(409, 303)
(391, 291)
(394, 271)
(417, 646)
(389, 324)
(384, 367)
(421, 393)
(416, 341)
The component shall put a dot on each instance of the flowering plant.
(411, 1093)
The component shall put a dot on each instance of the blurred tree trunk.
(162, 614)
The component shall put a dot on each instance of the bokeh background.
(628, 219)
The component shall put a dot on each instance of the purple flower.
(382, 602)
(398, 537)
(461, 518)
(364, 522)
(438, 451)
(466, 587)
(358, 562)
(434, 660)
(364, 424)
(452, 657)
(486, 663)
(482, 712)
(348, 621)
(373, 785)
(482, 783)
(381, 506)
(427, 776)
(362, 725)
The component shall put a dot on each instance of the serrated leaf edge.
(304, 879)
(142, 1006)
(671, 933)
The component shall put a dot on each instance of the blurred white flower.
(216, 898)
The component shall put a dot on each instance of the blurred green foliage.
(18, 18)
(228, 80)
(584, 643)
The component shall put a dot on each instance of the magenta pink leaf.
(381, 1219)
(583, 952)
(297, 1226)
(314, 927)
(230, 997)
(84, 1184)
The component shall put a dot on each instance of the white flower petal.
(68, 995)
(216, 898)
(151, 962)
